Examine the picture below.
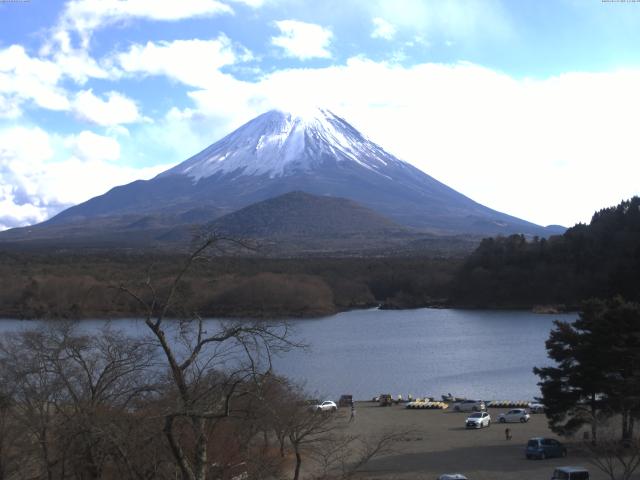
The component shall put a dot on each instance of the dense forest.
(69, 285)
(601, 259)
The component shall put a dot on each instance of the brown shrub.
(269, 294)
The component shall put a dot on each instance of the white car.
(570, 473)
(514, 415)
(536, 407)
(469, 406)
(326, 406)
(478, 420)
(452, 476)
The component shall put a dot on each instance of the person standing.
(507, 433)
(353, 412)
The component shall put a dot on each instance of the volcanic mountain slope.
(278, 152)
(300, 223)
(299, 214)
(293, 224)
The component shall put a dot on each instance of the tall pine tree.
(597, 371)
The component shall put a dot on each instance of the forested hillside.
(68, 285)
(601, 259)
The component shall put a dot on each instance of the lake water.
(477, 354)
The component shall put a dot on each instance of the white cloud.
(35, 80)
(24, 78)
(251, 3)
(550, 151)
(303, 40)
(80, 18)
(74, 180)
(192, 62)
(36, 184)
(22, 153)
(78, 65)
(86, 16)
(458, 19)
(9, 107)
(89, 146)
(74, 63)
(383, 29)
(115, 110)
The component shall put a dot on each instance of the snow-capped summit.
(314, 151)
(279, 143)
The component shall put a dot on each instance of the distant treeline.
(65, 285)
(601, 259)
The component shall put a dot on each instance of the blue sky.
(529, 107)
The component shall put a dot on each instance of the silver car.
(478, 420)
(469, 406)
(514, 415)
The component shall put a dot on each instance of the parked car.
(570, 473)
(541, 447)
(326, 406)
(452, 476)
(536, 408)
(469, 406)
(514, 415)
(345, 400)
(385, 400)
(478, 420)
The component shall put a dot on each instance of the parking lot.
(438, 442)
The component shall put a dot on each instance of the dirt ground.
(439, 443)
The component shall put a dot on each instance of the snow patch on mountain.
(280, 143)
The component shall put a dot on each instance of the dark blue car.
(540, 447)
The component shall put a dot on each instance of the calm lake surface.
(478, 354)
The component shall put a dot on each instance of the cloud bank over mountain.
(450, 93)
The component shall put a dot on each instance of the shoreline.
(536, 309)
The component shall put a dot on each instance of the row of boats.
(430, 403)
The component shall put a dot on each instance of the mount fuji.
(280, 152)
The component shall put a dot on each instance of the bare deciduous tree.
(211, 365)
(307, 429)
(11, 437)
(617, 458)
(345, 456)
(72, 392)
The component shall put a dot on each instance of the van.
(541, 447)
(570, 473)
